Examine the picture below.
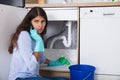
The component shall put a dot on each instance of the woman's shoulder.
(24, 34)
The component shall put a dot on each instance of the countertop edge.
(93, 4)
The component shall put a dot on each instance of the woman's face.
(39, 23)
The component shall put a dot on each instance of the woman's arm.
(54, 63)
(37, 55)
(47, 61)
(25, 49)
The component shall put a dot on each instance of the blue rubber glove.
(55, 63)
(39, 47)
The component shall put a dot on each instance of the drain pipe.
(66, 41)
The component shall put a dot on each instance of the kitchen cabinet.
(61, 39)
(62, 14)
(80, 30)
(58, 14)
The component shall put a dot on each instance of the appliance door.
(100, 38)
(10, 18)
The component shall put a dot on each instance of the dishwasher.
(100, 40)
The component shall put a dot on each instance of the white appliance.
(10, 17)
(100, 41)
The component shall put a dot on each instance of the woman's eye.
(43, 21)
(36, 21)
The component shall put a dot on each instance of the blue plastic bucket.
(82, 72)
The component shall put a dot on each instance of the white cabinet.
(61, 36)
(61, 31)
(58, 14)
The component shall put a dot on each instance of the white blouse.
(24, 63)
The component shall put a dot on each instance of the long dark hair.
(26, 24)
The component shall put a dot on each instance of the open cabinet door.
(10, 17)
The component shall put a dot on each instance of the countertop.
(93, 4)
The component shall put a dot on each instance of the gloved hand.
(64, 60)
(39, 42)
(55, 63)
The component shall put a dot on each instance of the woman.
(27, 48)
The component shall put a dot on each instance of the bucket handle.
(87, 76)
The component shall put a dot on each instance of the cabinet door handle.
(108, 14)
